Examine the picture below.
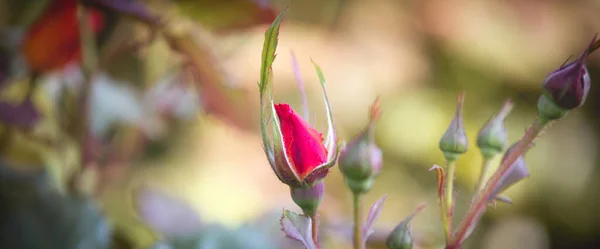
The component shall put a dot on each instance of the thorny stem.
(481, 200)
(315, 229)
(485, 169)
(358, 239)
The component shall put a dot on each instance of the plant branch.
(481, 200)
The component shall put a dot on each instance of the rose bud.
(360, 160)
(401, 237)
(566, 88)
(454, 141)
(493, 138)
(298, 154)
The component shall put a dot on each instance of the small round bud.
(493, 138)
(454, 142)
(360, 160)
(400, 239)
(308, 198)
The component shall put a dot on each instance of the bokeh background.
(415, 55)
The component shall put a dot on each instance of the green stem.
(485, 169)
(449, 191)
(445, 223)
(480, 201)
(358, 239)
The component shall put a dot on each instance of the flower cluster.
(301, 157)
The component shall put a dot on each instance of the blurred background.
(154, 118)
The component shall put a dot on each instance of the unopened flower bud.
(454, 141)
(567, 87)
(360, 160)
(308, 198)
(493, 138)
(401, 237)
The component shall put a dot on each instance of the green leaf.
(268, 57)
(298, 227)
(35, 215)
(268, 53)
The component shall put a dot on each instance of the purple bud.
(517, 172)
(568, 86)
(308, 198)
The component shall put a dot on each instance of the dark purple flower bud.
(360, 160)
(308, 198)
(454, 142)
(568, 86)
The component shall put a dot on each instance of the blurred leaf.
(228, 15)
(217, 237)
(167, 215)
(35, 215)
(161, 245)
(298, 227)
(374, 213)
(53, 39)
(127, 7)
(5, 58)
(23, 13)
(113, 102)
(217, 98)
(23, 115)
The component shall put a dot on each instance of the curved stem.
(480, 201)
(485, 169)
(358, 240)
